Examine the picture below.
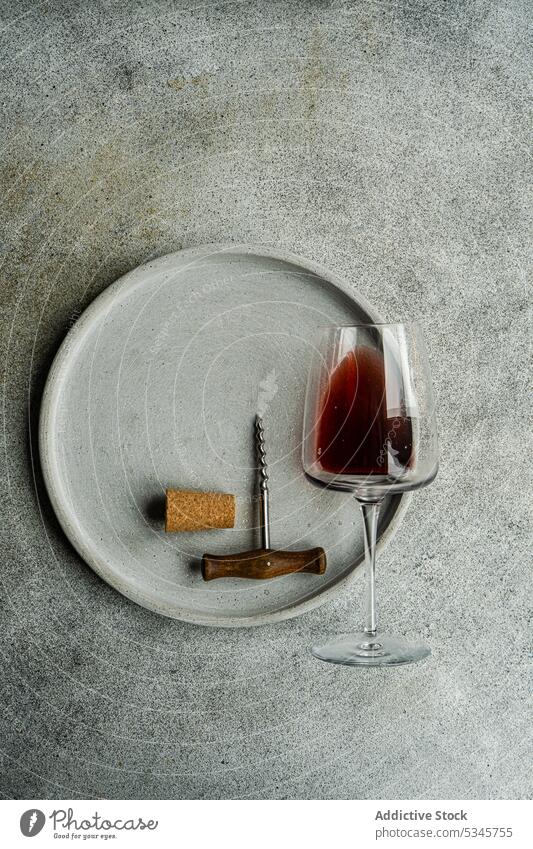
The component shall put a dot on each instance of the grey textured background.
(388, 141)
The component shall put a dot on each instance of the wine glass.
(370, 428)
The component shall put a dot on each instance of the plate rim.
(48, 408)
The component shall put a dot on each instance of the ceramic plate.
(157, 385)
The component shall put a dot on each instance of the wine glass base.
(360, 649)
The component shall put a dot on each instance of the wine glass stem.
(370, 510)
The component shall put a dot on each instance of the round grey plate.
(157, 385)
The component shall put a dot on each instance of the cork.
(198, 511)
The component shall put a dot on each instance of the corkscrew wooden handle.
(263, 563)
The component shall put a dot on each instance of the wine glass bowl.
(370, 428)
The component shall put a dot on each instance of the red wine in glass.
(357, 433)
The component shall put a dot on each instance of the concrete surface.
(388, 141)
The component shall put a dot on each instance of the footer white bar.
(219, 824)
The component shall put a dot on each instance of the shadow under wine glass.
(370, 428)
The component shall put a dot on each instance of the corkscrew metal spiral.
(261, 452)
(263, 481)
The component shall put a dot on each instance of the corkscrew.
(264, 562)
(263, 481)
